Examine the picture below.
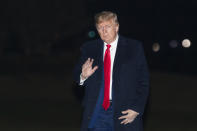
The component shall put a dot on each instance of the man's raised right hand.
(87, 69)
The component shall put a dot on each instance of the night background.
(39, 46)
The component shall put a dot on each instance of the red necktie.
(107, 71)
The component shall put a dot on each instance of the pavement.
(49, 102)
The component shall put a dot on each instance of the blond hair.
(105, 16)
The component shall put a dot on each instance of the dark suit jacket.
(130, 81)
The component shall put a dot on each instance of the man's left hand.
(128, 116)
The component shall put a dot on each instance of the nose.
(104, 30)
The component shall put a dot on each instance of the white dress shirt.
(113, 53)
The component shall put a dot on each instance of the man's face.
(108, 31)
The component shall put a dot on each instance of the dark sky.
(29, 25)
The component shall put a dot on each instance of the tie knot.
(108, 46)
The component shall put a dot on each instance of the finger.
(131, 120)
(128, 121)
(124, 121)
(123, 117)
(125, 112)
(86, 62)
(91, 62)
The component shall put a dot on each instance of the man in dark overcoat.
(114, 73)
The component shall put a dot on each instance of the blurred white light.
(186, 43)
(173, 43)
(156, 47)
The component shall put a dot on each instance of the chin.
(106, 41)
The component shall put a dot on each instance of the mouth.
(105, 36)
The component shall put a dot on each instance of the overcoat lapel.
(100, 52)
(120, 58)
(98, 62)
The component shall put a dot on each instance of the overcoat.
(130, 84)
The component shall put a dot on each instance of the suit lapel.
(119, 59)
(99, 61)
(100, 52)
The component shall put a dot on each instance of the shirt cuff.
(81, 81)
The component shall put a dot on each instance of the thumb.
(95, 68)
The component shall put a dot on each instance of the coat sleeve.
(142, 89)
(78, 67)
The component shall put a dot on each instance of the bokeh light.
(156, 47)
(186, 43)
(91, 34)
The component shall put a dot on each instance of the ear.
(117, 28)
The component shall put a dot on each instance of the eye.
(99, 28)
(107, 27)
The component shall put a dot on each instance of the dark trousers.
(104, 121)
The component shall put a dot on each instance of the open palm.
(87, 69)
